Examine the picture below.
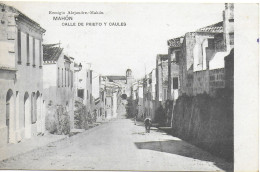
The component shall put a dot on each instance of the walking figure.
(148, 124)
(135, 118)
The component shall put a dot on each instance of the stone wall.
(229, 70)
(26, 84)
(206, 122)
(201, 82)
(216, 80)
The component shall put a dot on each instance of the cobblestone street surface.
(118, 145)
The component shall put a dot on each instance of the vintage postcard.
(133, 86)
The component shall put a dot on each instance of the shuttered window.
(175, 83)
(27, 49)
(33, 52)
(19, 47)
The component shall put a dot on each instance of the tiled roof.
(215, 28)
(175, 42)
(116, 78)
(66, 58)
(51, 52)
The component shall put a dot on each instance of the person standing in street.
(148, 124)
(135, 118)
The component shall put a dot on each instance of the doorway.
(9, 113)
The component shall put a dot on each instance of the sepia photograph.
(121, 86)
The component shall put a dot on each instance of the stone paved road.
(118, 145)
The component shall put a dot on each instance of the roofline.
(23, 16)
(61, 50)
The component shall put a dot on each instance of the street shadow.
(182, 148)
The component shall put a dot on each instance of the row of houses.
(36, 79)
(113, 91)
(196, 63)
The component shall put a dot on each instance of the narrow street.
(118, 145)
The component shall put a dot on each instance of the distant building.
(151, 94)
(129, 81)
(84, 85)
(161, 78)
(121, 80)
(21, 76)
(58, 77)
(174, 55)
(111, 89)
(109, 94)
(140, 102)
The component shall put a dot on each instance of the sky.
(112, 50)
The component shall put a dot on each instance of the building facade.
(201, 62)
(161, 78)
(129, 82)
(21, 76)
(84, 86)
(174, 54)
(58, 78)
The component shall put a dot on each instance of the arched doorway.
(43, 115)
(38, 112)
(9, 115)
(27, 115)
(17, 110)
(33, 108)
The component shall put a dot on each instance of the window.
(33, 52)
(19, 47)
(164, 94)
(203, 59)
(87, 74)
(90, 77)
(71, 79)
(81, 93)
(175, 83)
(87, 94)
(58, 77)
(65, 71)
(27, 49)
(68, 78)
(178, 55)
(62, 77)
(40, 55)
(211, 43)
